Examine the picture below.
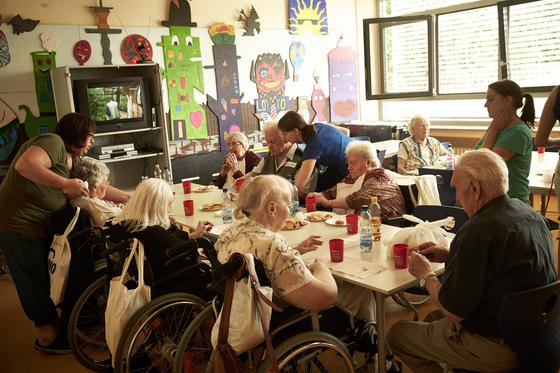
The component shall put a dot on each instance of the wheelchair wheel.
(86, 328)
(150, 339)
(311, 352)
(195, 348)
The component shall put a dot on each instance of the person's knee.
(396, 335)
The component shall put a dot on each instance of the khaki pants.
(423, 345)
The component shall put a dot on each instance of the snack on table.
(318, 216)
(340, 222)
(291, 224)
(205, 188)
(211, 207)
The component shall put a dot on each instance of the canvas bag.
(58, 261)
(122, 302)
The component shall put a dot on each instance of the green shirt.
(517, 139)
(27, 206)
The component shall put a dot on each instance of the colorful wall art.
(227, 106)
(343, 90)
(269, 72)
(251, 24)
(9, 129)
(318, 102)
(136, 49)
(102, 13)
(297, 56)
(308, 17)
(43, 63)
(4, 50)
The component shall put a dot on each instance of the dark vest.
(289, 169)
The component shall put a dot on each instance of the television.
(115, 104)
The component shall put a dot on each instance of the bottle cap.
(225, 190)
(364, 207)
(374, 199)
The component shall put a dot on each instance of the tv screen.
(114, 104)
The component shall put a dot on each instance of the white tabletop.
(391, 147)
(542, 168)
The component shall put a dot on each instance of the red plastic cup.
(540, 149)
(311, 203)
(336, 247)
(239, 182)
(400, 255)
(352, 223)
(187, 187)
(188, 205)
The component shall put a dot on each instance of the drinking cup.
(540, 149)
(188, 205)
(311, 203)
(352, 223)
(239, 182)
(400, 255)
(336, 247)
(187, 187)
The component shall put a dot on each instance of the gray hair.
(414, 119)
(148, 206)
(486, 167)
(258, 191)
(91, 170)
(240, 138)
(365, 150)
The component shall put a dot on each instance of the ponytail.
(528, 110)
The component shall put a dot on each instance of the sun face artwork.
(308, 17)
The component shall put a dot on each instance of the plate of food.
(318, 215)
(205, 188)
(292, 224)
(339, 221)
(211, 207)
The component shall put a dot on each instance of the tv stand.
(151, 141)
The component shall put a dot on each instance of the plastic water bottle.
(450, 157)
(157, 172)
(294, 207)
(167, 176)
(227, 212)
(365, 230)
(375, 213)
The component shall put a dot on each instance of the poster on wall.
(183, 71)
(318, 102)
(270, 72)
(9, 132)
(343, 92)
(308, 17)
(43, 63)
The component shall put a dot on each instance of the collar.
(492, 202)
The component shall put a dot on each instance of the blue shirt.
(328, 147)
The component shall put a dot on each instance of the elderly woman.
(146, 217)
(263, 207)
(238, 162)
(366, 179)
(419, 149)
(96, 174)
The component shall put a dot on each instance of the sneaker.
(58, 347)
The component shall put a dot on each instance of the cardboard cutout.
(250, 20)
(269, 72)
(297, 56)
(82, 51)
(43, 63)
(9, 125)
(20, 25)
(102, 12)
(136, 49)
(4, 50)
(318, 102)
(308, 17)
(343, 92)
(228, 105)
(179, 14)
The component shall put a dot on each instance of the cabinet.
(149, 135)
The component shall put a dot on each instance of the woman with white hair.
(96, 174)
(419, 149)
(365, 180)
(263, 207)
(239, 160)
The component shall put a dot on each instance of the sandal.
(58, 347)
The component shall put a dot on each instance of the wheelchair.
(295, 349)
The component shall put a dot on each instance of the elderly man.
(283, 158)
(504, 247)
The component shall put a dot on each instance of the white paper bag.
(58, 261)
(122, 302)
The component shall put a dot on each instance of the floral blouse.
(284, 265)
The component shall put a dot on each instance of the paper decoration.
(183, 66)
(227, 107)
(20, 25)
(343, 92)
(102, 13)
(308, 17)
(36, 125)
(318, 102)
(43, 63)
(4, 50)
(136, 49)
(49, 41)
(269, 72)
(179, 14)
(304, 108)
(82, 51)
(9, 125)
(297, 56)
(250, 20)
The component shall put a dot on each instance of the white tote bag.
(245, 327)
(122, 302)
(58, 261)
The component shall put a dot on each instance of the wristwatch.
(425, 278)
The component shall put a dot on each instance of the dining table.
(373, 270)
(541, 173)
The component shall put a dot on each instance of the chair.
(529, 322)
(381, 157)
(434, 212)
(443, 177)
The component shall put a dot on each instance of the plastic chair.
(443, 177)
(434, 212)
(529, 322)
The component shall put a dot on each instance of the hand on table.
(433, 253)
(311, 243)
(203, 226)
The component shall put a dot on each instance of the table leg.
(381, 344)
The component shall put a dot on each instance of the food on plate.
(294, 224)
(340, 222)
(211, 206)
(205, 188)
(319, 216)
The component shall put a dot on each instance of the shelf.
(157, 128)
(128, 158)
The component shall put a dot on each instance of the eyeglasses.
(234, 143)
